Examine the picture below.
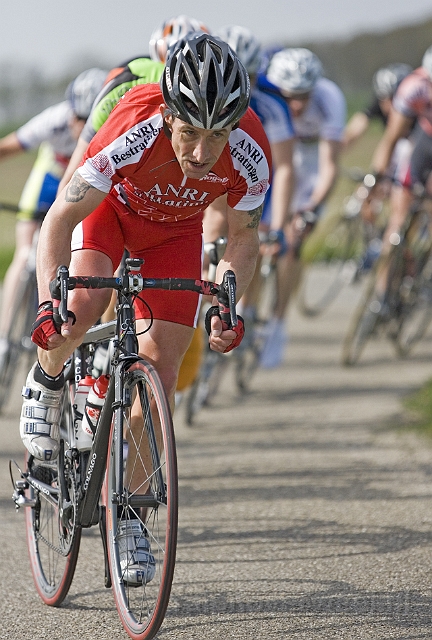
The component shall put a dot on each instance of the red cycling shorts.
(170, 250)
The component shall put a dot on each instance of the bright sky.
(55, 35)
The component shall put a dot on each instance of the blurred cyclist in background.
(384, 82)
(55, 132)
(318, 111)
(142, 70)
(412, 102)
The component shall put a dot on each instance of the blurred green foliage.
(419, 406)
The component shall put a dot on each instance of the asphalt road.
(306, 513)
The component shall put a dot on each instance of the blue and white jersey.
(324, 116)
(274, 114)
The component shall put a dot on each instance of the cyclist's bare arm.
(397, 127)
(240, 256)
(74, 204)
(328, 168)
(74, 163)
(242, 246)
(10, 145)
(357, 126)
(283, 182)
(215, 219)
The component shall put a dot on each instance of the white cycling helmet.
(427, 61)
(169, 33)
(82, 91)
(245, 45)
(387, 79)
(294, 70)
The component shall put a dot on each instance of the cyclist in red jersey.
(161, 158)
(413, 99)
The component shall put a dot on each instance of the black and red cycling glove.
(239, 330)
(47, 324)
(44, 326)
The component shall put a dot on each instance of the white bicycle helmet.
(205, 84)
(169, 33)
(294, 70)
(427, 61)
(82, 91)
(387, 79)
(244, 43)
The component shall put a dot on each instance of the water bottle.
(93, 405)
(82, 438)
(99, 360)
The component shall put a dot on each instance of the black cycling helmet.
(205, 84)
(387, 79)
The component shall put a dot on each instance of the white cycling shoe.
(136, 560)
(40, 416)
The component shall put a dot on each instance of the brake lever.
(227, 300)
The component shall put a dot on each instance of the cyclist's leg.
(164, 347)
(175, 314)
(414, 169)
(87, 306)
(400, 201)
(214, 227)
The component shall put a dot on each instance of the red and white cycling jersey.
(131, 157)
(414, 98)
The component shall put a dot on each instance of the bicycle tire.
(375, 311)
(246, 362)
(18, 336)
(206, 384)
(324, 279)
(363, 323)
(142, 608)
(53, 537)
(416, 314)
(246, 357)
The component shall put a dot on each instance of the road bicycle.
(213, 364)
(128, 474)
(403, 312)
(18, 340)
(246, 358)
(347, 245)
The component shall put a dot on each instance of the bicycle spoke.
(143, 499)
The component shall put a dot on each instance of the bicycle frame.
(125, 342)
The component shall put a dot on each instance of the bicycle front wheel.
(18, 336)
(141, 492)
(416, 313)
(363, 324)
(53, 537)
(324, 279)
(206, 385)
